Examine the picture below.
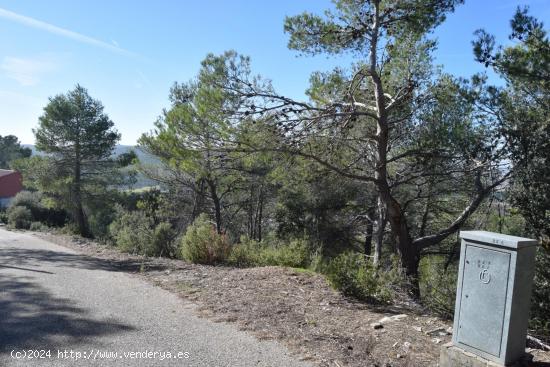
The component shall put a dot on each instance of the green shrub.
(253, 253)
(33, 200)
(163, 240)
(539, 324)
(202, 244)
(438, 285)
(135, 232)
(317, 262)
(99, 221)
(38, 226)
(245, 253)
(70, 228)
(295, 254)
(132, 232)
(355, 276)
(3, 217)
(29, 199)
(347, 273)
(19, 217)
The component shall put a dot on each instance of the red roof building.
(11, 182)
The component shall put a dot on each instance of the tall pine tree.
(79, 139)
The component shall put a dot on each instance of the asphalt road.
(87, 313)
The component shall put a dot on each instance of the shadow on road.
(25, 269)
(21, 257)
(32, 318)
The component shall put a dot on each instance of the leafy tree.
(318, 204)
(79, 139)
(525, 110)
(190, 136)
(524, 106)
(392, 121)
(10, 150)
(252, 201)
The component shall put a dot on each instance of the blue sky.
(129, 52)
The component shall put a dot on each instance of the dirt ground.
(297, 308)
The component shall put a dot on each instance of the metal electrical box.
(493, 295)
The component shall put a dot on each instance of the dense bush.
(202, 244)
(135, 232)
(438, 285)
(348, 273)
(29, 199)
(38, 226)
(163, 240)
(253, 253)
(19, 217)
(540, 314)
(34, 201)
(245, 253)
(3, 217)
(355, 276)
(294, 254)
(310, 203)
(132, 232)
(99, 221)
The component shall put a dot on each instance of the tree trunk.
(380, 228)
(198, 200)
(252, 209)
(260, 212)
(79, 215)
(409, 255)
(217, 205)
(369, 231)
(77, 195)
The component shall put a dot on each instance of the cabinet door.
(483, 299)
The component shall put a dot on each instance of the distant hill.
(144, 157)
(32, 148)
(119, 149)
